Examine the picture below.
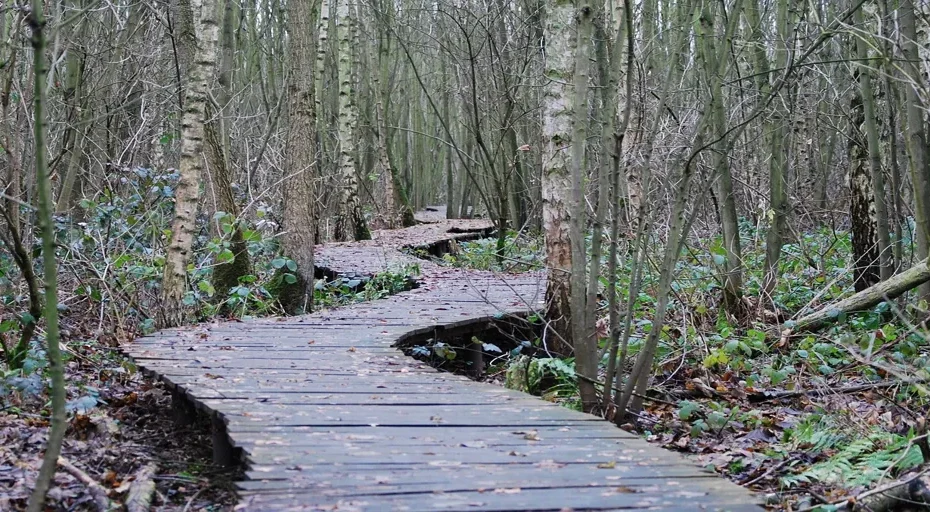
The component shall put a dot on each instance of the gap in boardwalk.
(483, 350)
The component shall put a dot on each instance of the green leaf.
(687, 408)
(7, 325)
(292, 265)
(121, 260)
(225, 256)
(290, 278)
(251, 235)
(278, 263)
(206, 287)
(698, 427)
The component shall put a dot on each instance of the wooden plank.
(577, 498)
(355, 483)
(585, 433)
(456, 454)
(355, 398)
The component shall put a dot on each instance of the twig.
(191, 501)
(767, 397)
(766, 473)
(101, 501)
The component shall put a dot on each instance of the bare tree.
(300, 156)
(174, 283)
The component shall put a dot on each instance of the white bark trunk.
(191, 167)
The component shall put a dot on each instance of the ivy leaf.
(206, 287)
(225, 256)
(687, 408)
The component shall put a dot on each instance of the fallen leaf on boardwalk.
(352, 349)
(607, 465)
(531, 436)
(511, 490)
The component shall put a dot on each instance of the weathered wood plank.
(577, 498)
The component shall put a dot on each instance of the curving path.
(326, 415)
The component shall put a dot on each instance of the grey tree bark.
(187, 193)
(300, 158)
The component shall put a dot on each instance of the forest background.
(731, 199)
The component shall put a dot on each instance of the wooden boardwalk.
(326, 415)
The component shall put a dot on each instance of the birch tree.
(558, 111)
(350, 221)
(187, 193)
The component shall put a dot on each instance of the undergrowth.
(112, 256)
(827, 414)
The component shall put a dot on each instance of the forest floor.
(121, 434)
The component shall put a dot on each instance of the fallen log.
(909, 493)
(861, 301)
(142, 490)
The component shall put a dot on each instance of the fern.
(861, 462)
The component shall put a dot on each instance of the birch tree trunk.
(387, 209)
(556, 177)
(178, 254)
(862, 203)
(879, 211)
(350, 222)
